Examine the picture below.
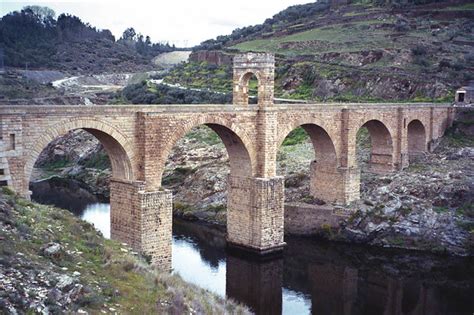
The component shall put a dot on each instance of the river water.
(312, 277)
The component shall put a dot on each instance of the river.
(312, 276)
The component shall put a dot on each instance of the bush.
(419, 50)
(296, 136)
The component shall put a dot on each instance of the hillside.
(52, 262)
(350, 52)
(33, 38)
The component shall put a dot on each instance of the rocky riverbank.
(427, 206)
(51, 262)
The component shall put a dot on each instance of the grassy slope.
(358, 52)
(113, 277)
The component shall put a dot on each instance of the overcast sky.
(185, 23)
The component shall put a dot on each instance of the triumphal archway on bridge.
(139, 138)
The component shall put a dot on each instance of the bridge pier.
(142, 219)
(255, 214)
(381, 163)
(331, 184)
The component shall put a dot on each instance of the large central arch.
(236, 141)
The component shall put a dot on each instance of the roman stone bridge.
(139, 138)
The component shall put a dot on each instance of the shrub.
(419, 50)
(296, 136)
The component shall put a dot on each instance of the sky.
(179, 22)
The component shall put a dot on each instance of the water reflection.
(99, 215)
(194, 268)
(311, 277)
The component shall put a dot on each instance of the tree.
(129, 34)
(43, 13)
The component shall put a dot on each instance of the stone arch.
(119, 149)
(324, 175)
(262, 65)
(323, 144)
(416, 138)
(236, 141)
(382, 146)
(244, 86)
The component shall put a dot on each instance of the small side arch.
(325, 179)
(323, 144)
(381, 155)
(118, 148)
(416, 134)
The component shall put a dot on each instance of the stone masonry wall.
(306, 219)
(255, 212)
(142, 219)
(125, 212)
(156, 226)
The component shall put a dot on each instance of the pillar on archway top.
(260, 65)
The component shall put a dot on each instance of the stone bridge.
(139, 138)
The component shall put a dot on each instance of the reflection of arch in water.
(210, 243)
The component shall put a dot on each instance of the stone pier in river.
(139, 138)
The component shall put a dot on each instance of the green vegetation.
(326, 39)
(362, 53)
(148, 93)
(396, 241)
(111, 276)
(363, 138)
(35, 38)
(205, 135)
(456, 138)
(271, 26)
(100, 161)
(23, 88)
(296, 136)
(178, 176)
(179, 207)
(440, 209)
(466, 6)
(201, 75)
(57, 164)
(217, 208)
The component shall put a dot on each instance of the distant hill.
(360, 51)
(33, 38)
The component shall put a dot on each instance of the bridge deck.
(158, 108)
